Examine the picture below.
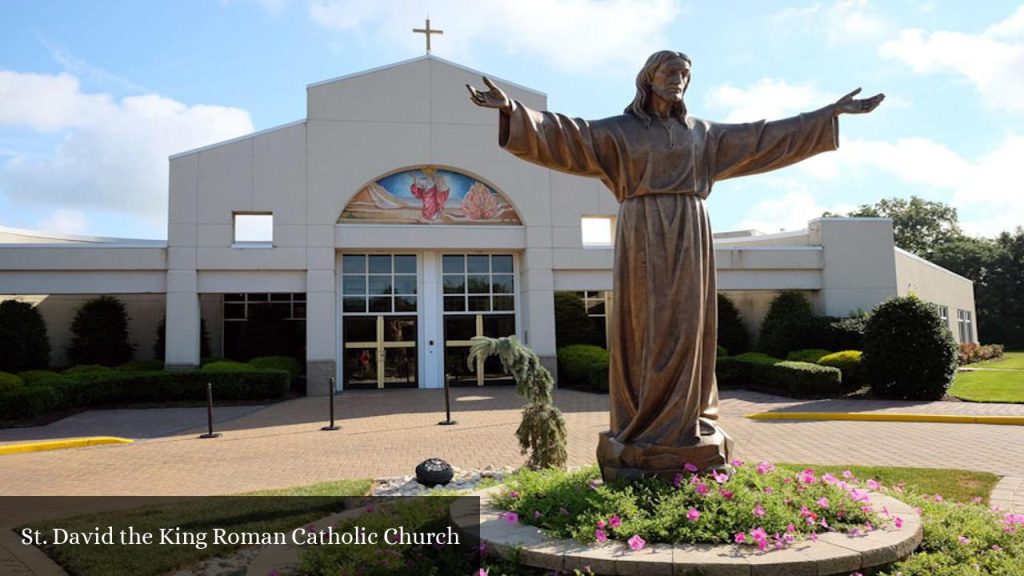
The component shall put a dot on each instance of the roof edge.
(142, 242)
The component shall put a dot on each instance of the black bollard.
(209, 413)
(331, 395)
(447, 405)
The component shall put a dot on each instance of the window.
(378, 283)
(239, 307)
(943, 313)
(965, 326)
(478, 283)
(596, 303)
(597, 231)
(254, 229)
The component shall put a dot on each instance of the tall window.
(965, 325)
(262, 324)
(943, 313)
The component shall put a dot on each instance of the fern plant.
(542, 431)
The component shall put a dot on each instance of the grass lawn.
(1010, 360)
(989, 386)
(955, 485)
(240, 513)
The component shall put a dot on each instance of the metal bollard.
(331, 395)
(447, 404)
(209, 413)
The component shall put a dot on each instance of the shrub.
(99, 333)
(597, 376)
(226, 366)
(27, 402)
(10, 382)
(971, 353)
(847, 361)
(574, 361)
(785, 326)
(87, 369)
(286, 363)
(572, 325)
(811, 355)
(721, 351)
(803, 378)
(30, 377)
(24, 344)
(909, 352)
(142, 365)
(832, 333)
(732, 333)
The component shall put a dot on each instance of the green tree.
(24, 344)
(99, 333)
(572, 325)
(784, 328)
(919, 225)
(1007, 287)
(732, 334)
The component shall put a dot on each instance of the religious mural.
(429, 195)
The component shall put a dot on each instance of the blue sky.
(95, 95)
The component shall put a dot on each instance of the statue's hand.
(493, 98)
(850, 105)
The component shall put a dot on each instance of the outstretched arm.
(493, 98)
(850, 105)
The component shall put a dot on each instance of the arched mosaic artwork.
(429, 195)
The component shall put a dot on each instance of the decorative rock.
(434, 471)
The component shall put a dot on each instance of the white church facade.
(391, 224)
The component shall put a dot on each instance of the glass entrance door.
(379, 321)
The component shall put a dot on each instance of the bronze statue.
(661, 163)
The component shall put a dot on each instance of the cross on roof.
(427, 31)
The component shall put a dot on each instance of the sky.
(94, 96)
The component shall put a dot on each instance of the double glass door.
(380, 352)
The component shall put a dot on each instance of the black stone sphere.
(434, 471)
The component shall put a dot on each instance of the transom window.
(290, 306)
(478, 283)
(378, 283)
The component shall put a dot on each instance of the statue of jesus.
(661, 163)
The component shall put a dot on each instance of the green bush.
(99, 333)
(811, 355)
(732, 333)
(847, 361)
(286, 363)
(142, 365)
(24, 344)
(597, 376)
(27, 402)
(572, 325)
(31, 377)
(785, 326)
(87, 369)
(832, 333)
(226, 366)
(909, 352)
(9, 382)
(797, 378)
(575, 361)
(721, 351)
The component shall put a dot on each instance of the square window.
(501, 264)
(454, 284)
(380, 264)
(405, 284)
(478, 264)
(254, 228)
(454, 264)
(405, 264)
(597, 231)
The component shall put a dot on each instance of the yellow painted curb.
(62, 444)
(889, 417)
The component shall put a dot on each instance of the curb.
(889, 417)
(61, 444)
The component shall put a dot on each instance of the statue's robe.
(664, 309)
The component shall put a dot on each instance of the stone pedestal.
(622, 461)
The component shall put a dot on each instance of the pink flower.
(537, 514)
(692, 515)
(482, 572)
(736, 463)
(823, 502)
(765, 467)
(600, 524)
(740, 538)
(513, 495)
(600, 535)
(720, 478)
(769, 490)
(938, 498)
(614, 522)
(807, 476)
(828, 478)
(814, 536)
(963, 540)
(790, 528)
(511, 517)
(690, 467)
(702, 489)
(678, 480)
(898, 522)
(759, 511)
(727, 494)
(976, 500)
(636, 542)
(873, 485)
(847, 474)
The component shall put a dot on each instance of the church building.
(391, 228)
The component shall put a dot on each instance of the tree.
(572, 325)
(99, 333)
(784, 328)
(732, 334)
(1007, 287)
(919, 225)
(24, 344)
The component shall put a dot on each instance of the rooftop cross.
(427, 31)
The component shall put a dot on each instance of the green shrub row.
(10, 382)
(797, 378)
(98, 388)
(811, 355)
(848, 362)
(574, 362)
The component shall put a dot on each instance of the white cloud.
(842, 21)
(112, 154)
(64, 221)
(769, 98)
(992, 61)
(790, 211)
(574, 35)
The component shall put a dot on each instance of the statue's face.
(671, 79)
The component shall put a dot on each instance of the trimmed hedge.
(811, 355)
(226, 366)
(286, 363)
(10, 382)
(798, 378)
(27, 402)
(848, 361)
(31, 377)
(142, 365)
(574, 361)
(597, 376)
(88, 369)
